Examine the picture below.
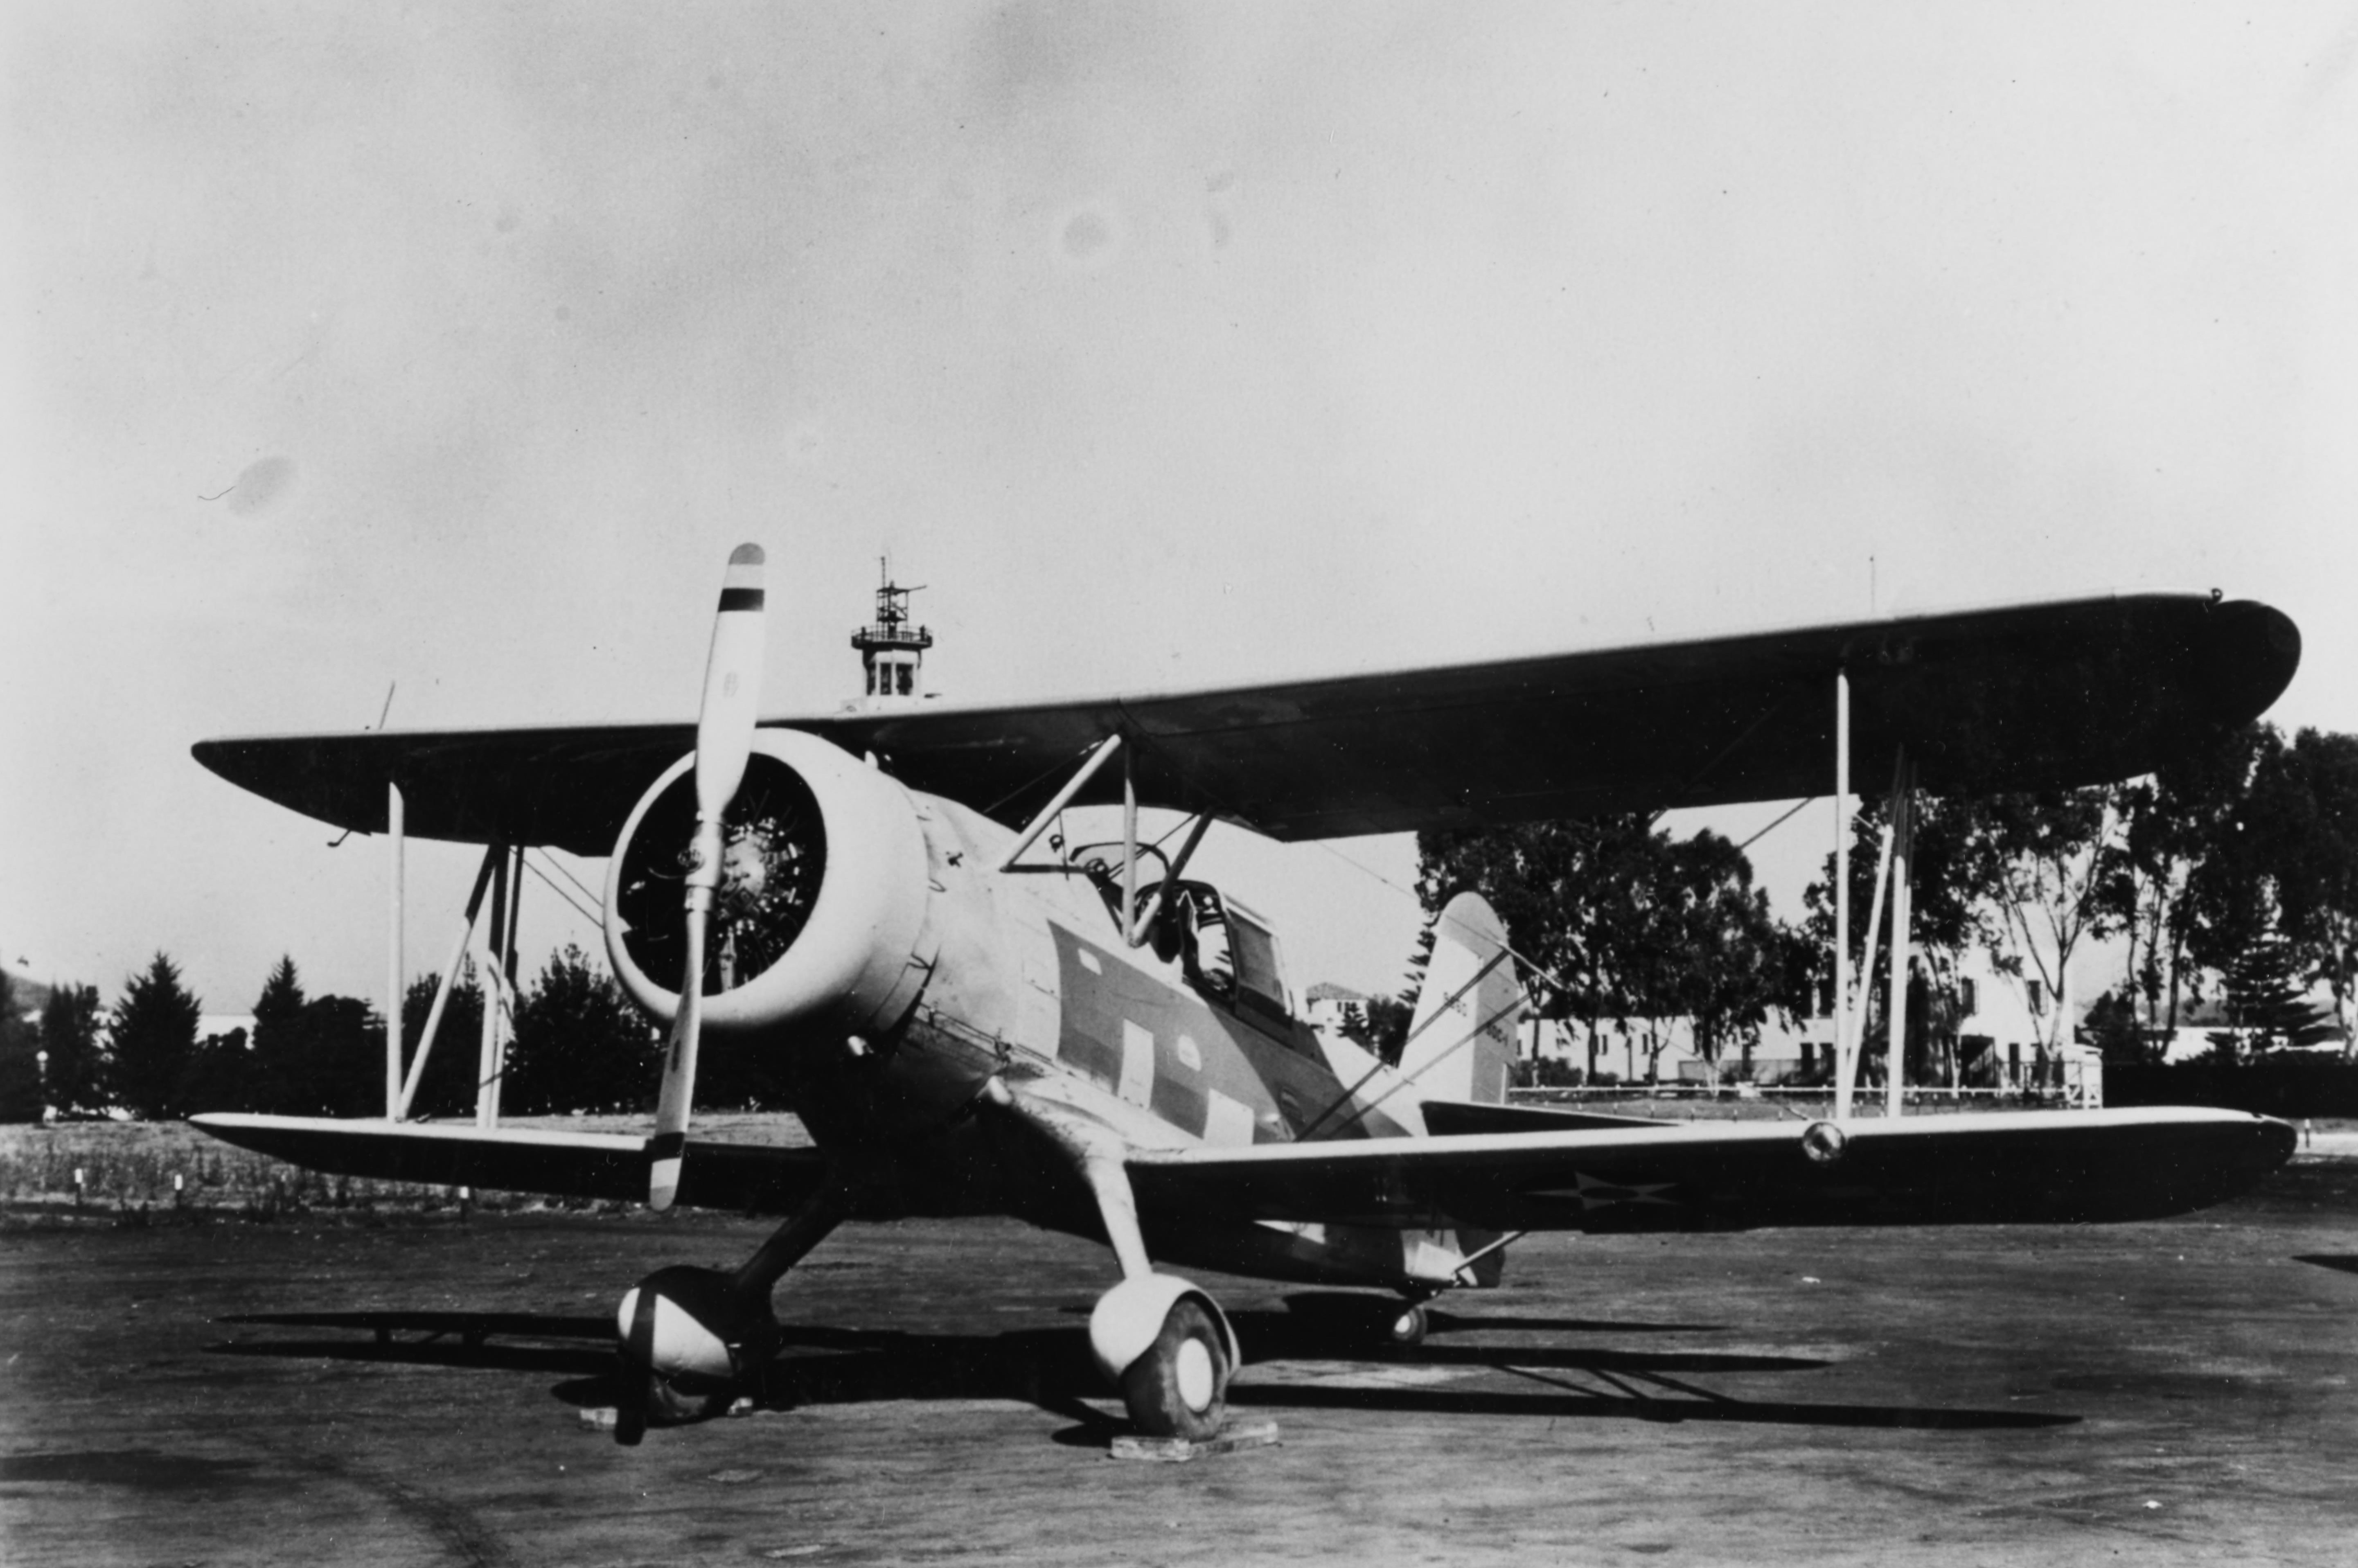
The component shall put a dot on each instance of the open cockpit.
(1229, 954)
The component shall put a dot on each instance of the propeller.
(724, 739)
(634, 1372)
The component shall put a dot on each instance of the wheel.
(644, 1398)
(1408, 1330)
(1179, 1386)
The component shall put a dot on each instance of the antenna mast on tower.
(891, 650)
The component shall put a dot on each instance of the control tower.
(891, 649)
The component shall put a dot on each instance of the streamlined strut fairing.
(1096, 1043)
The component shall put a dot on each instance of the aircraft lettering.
(1227, 1123)
(1137, 1064)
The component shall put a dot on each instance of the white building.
(1333, 1009)
(2010, 1036)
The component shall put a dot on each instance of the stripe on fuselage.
(1159, 1045)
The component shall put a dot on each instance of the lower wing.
(565, 1165)
(2033, 1167)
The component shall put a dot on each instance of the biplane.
(1092, 1039)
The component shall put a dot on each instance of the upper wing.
(756, 1177)
(2044, 1167)
(2022, 697)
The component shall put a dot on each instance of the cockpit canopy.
(1228, 951)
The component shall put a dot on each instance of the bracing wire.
(585, 891)
(568, 898)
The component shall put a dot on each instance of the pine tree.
(222, 1075)
(75, 1072)
(154, 1036)
(448, 1087)
(281, 1077)
(2264, 996)
(20, 1067)
(341, 1043)
(581, 1046)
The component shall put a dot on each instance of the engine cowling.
(820, 916)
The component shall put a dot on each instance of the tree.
(2171, 824)
(1613, 918)
(1564, 891)
(341, 1042)
(153, 1032)
(307, 1056)
(2308, 794)
(75, 1072)
(2112, 1026)
(1948, 914)
(2230, 903)
(448, 1078)
(1726, 963)
(2047, 858)
(20, 1067)
(448, 1087)
(581, 1046)
(1382, 1027)
(278, 1081)
(221, 1076)
(2265, 1006)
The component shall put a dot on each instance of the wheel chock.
(1179, 1450)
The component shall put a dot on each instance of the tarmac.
(359, 1388)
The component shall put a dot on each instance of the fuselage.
(1032, 983)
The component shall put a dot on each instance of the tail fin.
(1461, 1039)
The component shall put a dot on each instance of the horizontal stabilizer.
(757, 1178)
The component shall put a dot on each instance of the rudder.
(1461, 1040)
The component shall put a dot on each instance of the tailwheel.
(1409, 1327)
(1178, 1388)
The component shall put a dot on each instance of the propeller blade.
(732, 686)
(669, 1145)
(634, 1371)
(724, 740)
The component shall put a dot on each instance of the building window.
(1969, 997)
(2038, 999)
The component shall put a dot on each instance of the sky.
(449, 349)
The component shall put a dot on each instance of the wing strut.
(1039, 824)
(1145, 923)
(1903, 854)
(1853, 1037)
(442, 991)
(395, 838)
(1841, 1008)
(498, 993)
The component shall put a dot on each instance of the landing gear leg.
(691, 1336)
(1160, 1339)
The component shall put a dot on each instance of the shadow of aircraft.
(1460, 1323)
(1051, 1369)
(1371, 1314)
(442, 1339)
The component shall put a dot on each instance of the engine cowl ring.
(821, 906)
